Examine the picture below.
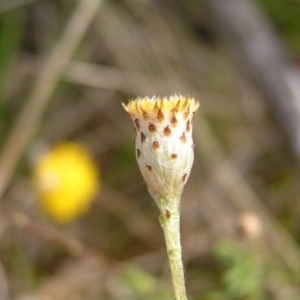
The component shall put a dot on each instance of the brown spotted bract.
(164, 142)
(168, 214)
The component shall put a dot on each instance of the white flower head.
(164, 144)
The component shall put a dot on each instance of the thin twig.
(49, 233)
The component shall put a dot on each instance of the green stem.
(170, 222)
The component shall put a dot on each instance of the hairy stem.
(170, 222)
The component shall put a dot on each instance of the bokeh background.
(65, 68)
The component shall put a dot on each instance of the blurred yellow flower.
(66, 180)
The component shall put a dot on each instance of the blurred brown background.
(65, 68)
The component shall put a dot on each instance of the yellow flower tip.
(150, 106)
(66, 180)
(164, 144)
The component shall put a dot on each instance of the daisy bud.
(164, 144)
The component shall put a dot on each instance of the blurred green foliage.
(242, 277)
(285, 16)
(143, 286)
(11, 24)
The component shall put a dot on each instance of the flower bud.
(164, 144)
